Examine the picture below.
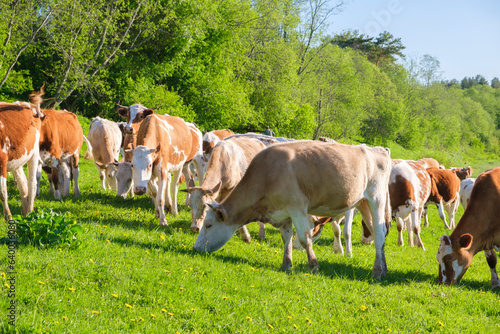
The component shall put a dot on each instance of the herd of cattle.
(243, 178)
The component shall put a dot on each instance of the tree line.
(243, 65)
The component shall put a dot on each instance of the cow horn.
(119, 105)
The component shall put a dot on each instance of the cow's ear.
(100, 165)
(148, 112)
(123, 111)
(219, 212)
(116, 163)
(465, 241)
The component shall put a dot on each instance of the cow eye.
(208, 226)
(132, 165)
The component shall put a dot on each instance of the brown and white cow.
(163, 146)
(465, 191)
(106, 138)
(463, 173)
(278, 187)
(60, 142)
(20, 124)
(210, 139)
(445, 194)
(134, 116)
(409, 189)
(430, 163)
(229, 160)
(478, 230)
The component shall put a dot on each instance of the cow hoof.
(163, 222)
(285, 267)
(495, 284)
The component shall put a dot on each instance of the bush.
(45, 228)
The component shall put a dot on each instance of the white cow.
(465, 191)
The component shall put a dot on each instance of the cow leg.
(440, 207)
(66, 177)
(32, 167)
(374, 215)
(304, 232)
(409, 227)
(174, 186)
(426, 216)
(245, 235)
(286, 235)
(451, 209)
(152, 193)
(76, 172)
(160, 196)
(3, 186)
(400, 224)
(415, 218)
(491, 258)
(55, 178)
(337, 242)
(349, 216)
(22, 185)
(102, 177)
(189, 176)
(38, 177)
(262, 231)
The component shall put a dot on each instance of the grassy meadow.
(130, 275)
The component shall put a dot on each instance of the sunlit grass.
(132, 276)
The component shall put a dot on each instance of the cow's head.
(123, 179)
(134, 116)
(142, 166)
(216, 229)
(453, 259)
(110, 170)
(199, 199)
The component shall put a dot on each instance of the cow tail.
(88, 155)
(388, 212)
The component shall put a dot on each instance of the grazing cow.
(106, 138)
(463, 173)
(60, 142)
(409, 189)
(465, 191)
(277, 187)
(478, 230)
(210, 139)
(20, 125)
(194, 157)
(445, 194)
(163, 146)
(228, 162)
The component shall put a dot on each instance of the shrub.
(46, 228)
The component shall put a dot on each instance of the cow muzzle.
(128, 130)
(140, 190)
(195, 229)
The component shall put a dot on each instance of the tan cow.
(409, 189)
(106, 138)
(210, 139)
(60, 142)
(478, 230)
(229, 160)
(20, 124)
(163, 146)
(277, 187)
(430, 163)
(134, 116)
(445, 194)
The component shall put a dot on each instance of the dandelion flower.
(147, 252)
(41, 282)
(168, 272)
(363, 308)
(249, 319)
(295, 326)
(170, 314)
(7, 286)
(162, 237)
(224, 298)
(57, 322)
(129, 306)
(114, 295)
(441, 324)
(71, 289)
(181, 288)
(64, 318)
(185, 271)
(95, 312)
(132, 320)
(141, 319)
(289, 317)
(163, 310)
(3, 275)
(153, 316)
(270, 326)
(92, 261)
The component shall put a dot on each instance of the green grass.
(132, 276)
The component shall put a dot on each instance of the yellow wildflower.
(128, 305)
(270, 326)
(64, 318)
(249, 319)
(153, 316)
(163, 310)
(224, 298)
(71, 289)
(114, 295)
(295, 326)
(363, 308)
(95, 312)
(41, 282)
(7, 286)
(162, 237)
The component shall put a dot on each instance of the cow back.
(60, 133)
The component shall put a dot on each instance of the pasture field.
(131, 276)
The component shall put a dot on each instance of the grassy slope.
(127, 259)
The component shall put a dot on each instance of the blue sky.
(463, 35)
